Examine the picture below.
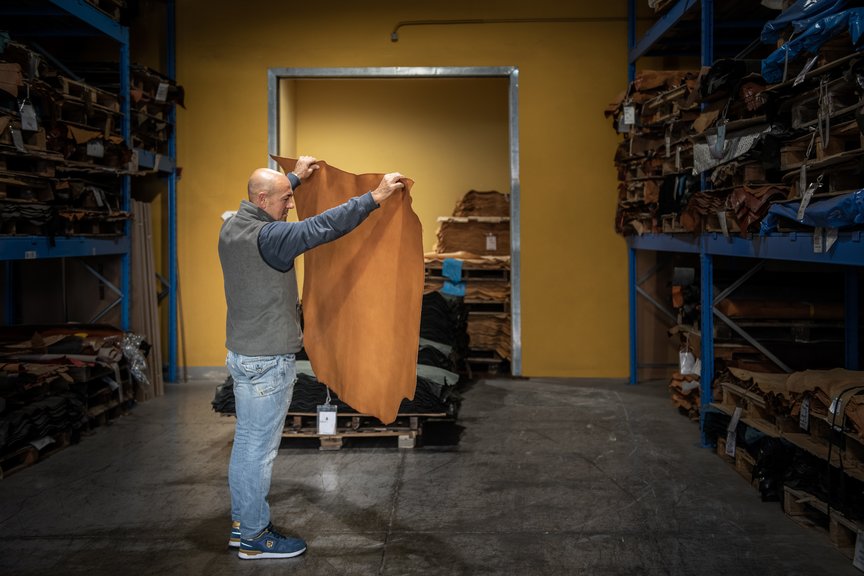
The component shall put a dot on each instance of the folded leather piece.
(362, 294)
(751, 203)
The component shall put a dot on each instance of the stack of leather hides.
(483, 203)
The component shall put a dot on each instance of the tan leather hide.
(362, 294)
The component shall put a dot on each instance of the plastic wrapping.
(811, 39)
(837, 212)
(135, 356)
(800, 15)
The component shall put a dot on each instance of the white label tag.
(730, 443)
(96, 149)
(491, 242)
(98, 196)
(326, 420)
(42, 442)
(858, 558)
(805, 70)
(724, 226)
(830, 238)
(804, 416)
(730, 432)
(629, 115)
(133, 162)
(28, 118)
(18, 140)
(162, 92)
(835, 404)
(817, 240)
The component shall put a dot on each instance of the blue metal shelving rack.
(848, 251)
(36, 247)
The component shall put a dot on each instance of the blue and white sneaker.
(234, 539)
(270, 544)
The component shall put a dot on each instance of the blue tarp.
(837, 212)
(800, 15)
(811, 39)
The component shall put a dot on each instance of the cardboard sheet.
(362, 294)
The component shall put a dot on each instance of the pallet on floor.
(742, 461)
(29, 455)
(406, 429)
(808, 510)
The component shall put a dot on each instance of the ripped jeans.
(263, 386)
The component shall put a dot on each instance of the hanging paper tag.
(668, 141)
(96, 149)
(721, 215)
(805, 70)
(28, 118)
(17, 139)
(835, 405)
(830, 238)
(805, 201)
(326, 419)
(818, 246)
(730, 432)
(804, 415)
(491, 242)
(630, 115)
(858, 557)
(162, 92)
(99, 195)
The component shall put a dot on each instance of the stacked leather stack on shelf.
(471, 261)
(778, 141)
(59, 381)
(61, 152)
(752, 148)
(154, 97)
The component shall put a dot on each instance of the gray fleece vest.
(263, 317)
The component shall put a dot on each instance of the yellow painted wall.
(574, 305)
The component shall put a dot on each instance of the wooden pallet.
(407, 428)
(808, 510)
(29, 455)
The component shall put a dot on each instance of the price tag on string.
(327, 417)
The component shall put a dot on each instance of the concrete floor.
(549, 477)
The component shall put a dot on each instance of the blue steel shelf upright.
(79, 19)
(848, 252)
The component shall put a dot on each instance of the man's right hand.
(389, 184)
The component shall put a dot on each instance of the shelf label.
(30, 254)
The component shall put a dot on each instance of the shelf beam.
(660, 28)
(88, 13)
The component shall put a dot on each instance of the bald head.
(264, 180)
(271, 191)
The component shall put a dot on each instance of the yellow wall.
(574, 305)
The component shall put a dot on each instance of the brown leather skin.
(362, 294)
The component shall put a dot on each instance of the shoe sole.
(234, 543)
(255, 555)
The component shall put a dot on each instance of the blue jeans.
(263, 386)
